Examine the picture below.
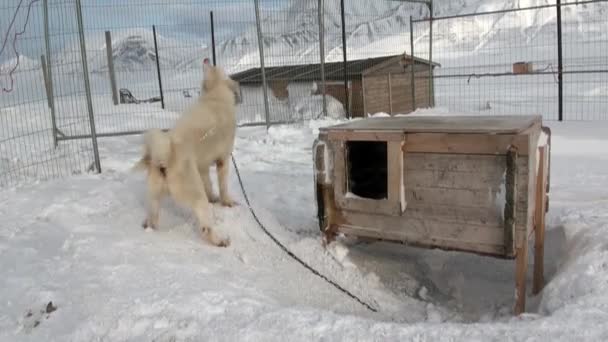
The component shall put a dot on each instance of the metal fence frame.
(559, 73)
(261, 31)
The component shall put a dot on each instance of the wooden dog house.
(468, 183)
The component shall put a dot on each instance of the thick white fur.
(178, 161)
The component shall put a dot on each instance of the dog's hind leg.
(190, 191)
(223, 166)
(155, 193)
(207, 183)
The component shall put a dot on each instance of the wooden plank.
(450, 180)
(395, 171)
(521, 269)
(465, 143)
(364, 96)
(445, 124)
(479, 198)
(511, 202)
(472, 163)
(411, 229)
(485, 249)
(365, 136)
(390, 94)
(539, 224)
(455, 213)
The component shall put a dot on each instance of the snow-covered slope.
(368, 22)
(133, 51)
(373, 28)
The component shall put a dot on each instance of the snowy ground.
(78, 242)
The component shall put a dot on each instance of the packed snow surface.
(77, 242)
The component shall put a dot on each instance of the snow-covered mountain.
(133, 51)
(373, 28)
(376, 28)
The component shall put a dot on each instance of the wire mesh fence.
(543, 60)
(42, 93)
(295, 61)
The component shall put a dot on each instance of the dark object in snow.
(126, 97)
(50, 307)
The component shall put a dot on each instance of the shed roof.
(334, 71)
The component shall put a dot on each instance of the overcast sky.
(184, 19)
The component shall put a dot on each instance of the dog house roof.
(442, 124)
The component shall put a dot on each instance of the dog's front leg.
(202, 213)
(223, 167)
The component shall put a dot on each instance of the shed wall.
(396, 99)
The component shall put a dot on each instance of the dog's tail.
(157, 150)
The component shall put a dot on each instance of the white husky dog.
(178, 160)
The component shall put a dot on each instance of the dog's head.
(216, 78)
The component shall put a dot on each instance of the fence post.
(560, 66)
(45, 76)
(109, 51)
(87, 85)
(346, 97)
(431, 93)
(258, 23)
(49, 72)
(212, 39)
(160, 82)
(412, 65)
(321, 14)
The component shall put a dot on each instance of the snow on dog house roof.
(334, 71)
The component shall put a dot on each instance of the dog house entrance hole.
(367, 169)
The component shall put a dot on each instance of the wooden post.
(510, 201)
(539, 223)
(111, 68)
(390, 95)
(521, 269)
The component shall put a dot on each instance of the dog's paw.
(229, 203)
(223, 243)
(147, 224)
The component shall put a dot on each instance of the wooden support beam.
(390, 94)
(510, 202)
(521, 269)
(539, 223)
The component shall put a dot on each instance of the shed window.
(367, 169)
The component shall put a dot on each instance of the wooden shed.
(381, 84)
(470, 183)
